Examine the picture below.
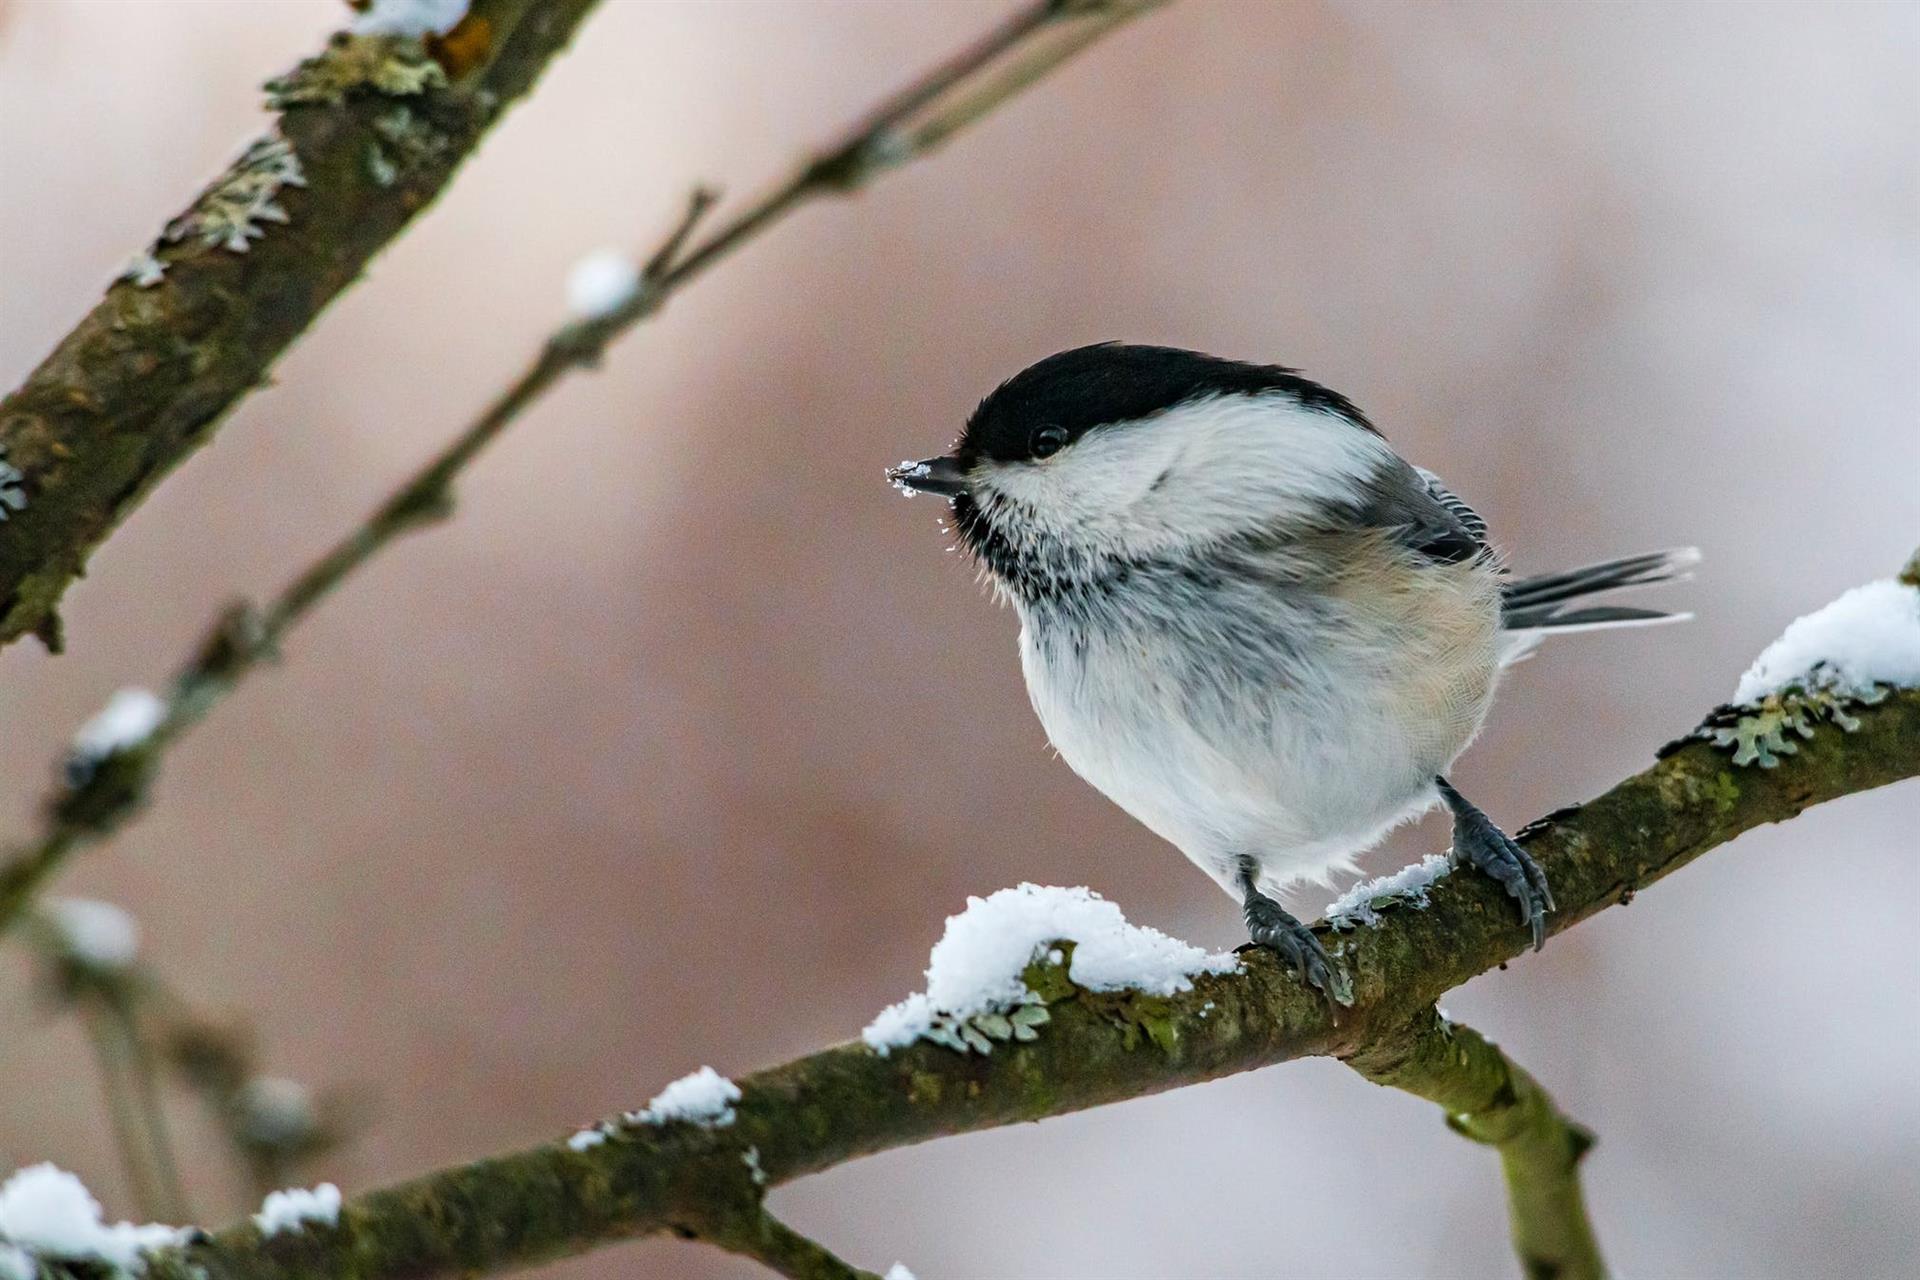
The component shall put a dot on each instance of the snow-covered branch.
(1098, 1043)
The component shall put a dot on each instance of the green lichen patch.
(231, 212)
(979, 1033)
(407, 139)
(12, 496)
(1758, 733)
(395, 66)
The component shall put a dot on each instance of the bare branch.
(141, 1029)
(243, 637)
(759, 1235)
(1489, 1099)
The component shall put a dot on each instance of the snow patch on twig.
(601, 283)
(587, 1138)
(414, 18)
(975, 969)
(127, 721)
(1360, 906)
(48, 1214)
(296, 1207)
(1869, 636)
(704, 1098)
(98, 934)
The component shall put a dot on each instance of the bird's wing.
(1424, 515)
(1460, 511)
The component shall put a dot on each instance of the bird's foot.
(1269, 925)
(1485, 847)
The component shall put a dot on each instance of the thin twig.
(907, 125)
(130, 1132)
(141, 1030)
(172, 1196)
(759, 1235)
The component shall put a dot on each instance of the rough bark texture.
(146, 377)
(848, 1101)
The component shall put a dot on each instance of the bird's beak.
(944, 476)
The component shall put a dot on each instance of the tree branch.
(370, 131)
(1489, 1099)
(1097, 1048)
(138, 1027)
(761, 1236)
(910, 124)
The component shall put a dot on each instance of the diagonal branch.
(371, 131)
(759, 1235)
(848, 1101)
(1489, 1099)
(910, 124)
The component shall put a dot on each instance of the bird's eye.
(1047, 441)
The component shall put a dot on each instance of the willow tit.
(1246, 620)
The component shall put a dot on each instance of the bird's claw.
(1269, 925)
(1488, 849)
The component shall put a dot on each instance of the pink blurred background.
(677, 746)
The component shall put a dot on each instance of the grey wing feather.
(1446, 497)
(1423, 515)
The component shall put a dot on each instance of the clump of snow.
(298, 1206)
(48, 1213)
(898, 1271)
(128, 719)
(601, 283)
(1409, 885)
(1869, 636)
(275, 1110)
(410, 17)
(704, 1098)
(975, 967)
(98, 934)
(592, 1136)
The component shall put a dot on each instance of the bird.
(1248, 621)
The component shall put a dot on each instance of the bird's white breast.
(1294, 726)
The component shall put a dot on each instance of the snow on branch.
(1103, 1045)
(48, 1216)
(977, 994)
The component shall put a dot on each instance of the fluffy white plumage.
(1290, 701)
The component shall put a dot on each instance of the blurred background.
(678, 745)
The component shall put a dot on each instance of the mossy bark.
(147, 375)
(849, 1101)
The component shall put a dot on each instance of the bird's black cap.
(1088, 387)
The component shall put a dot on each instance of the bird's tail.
(1529, 606)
